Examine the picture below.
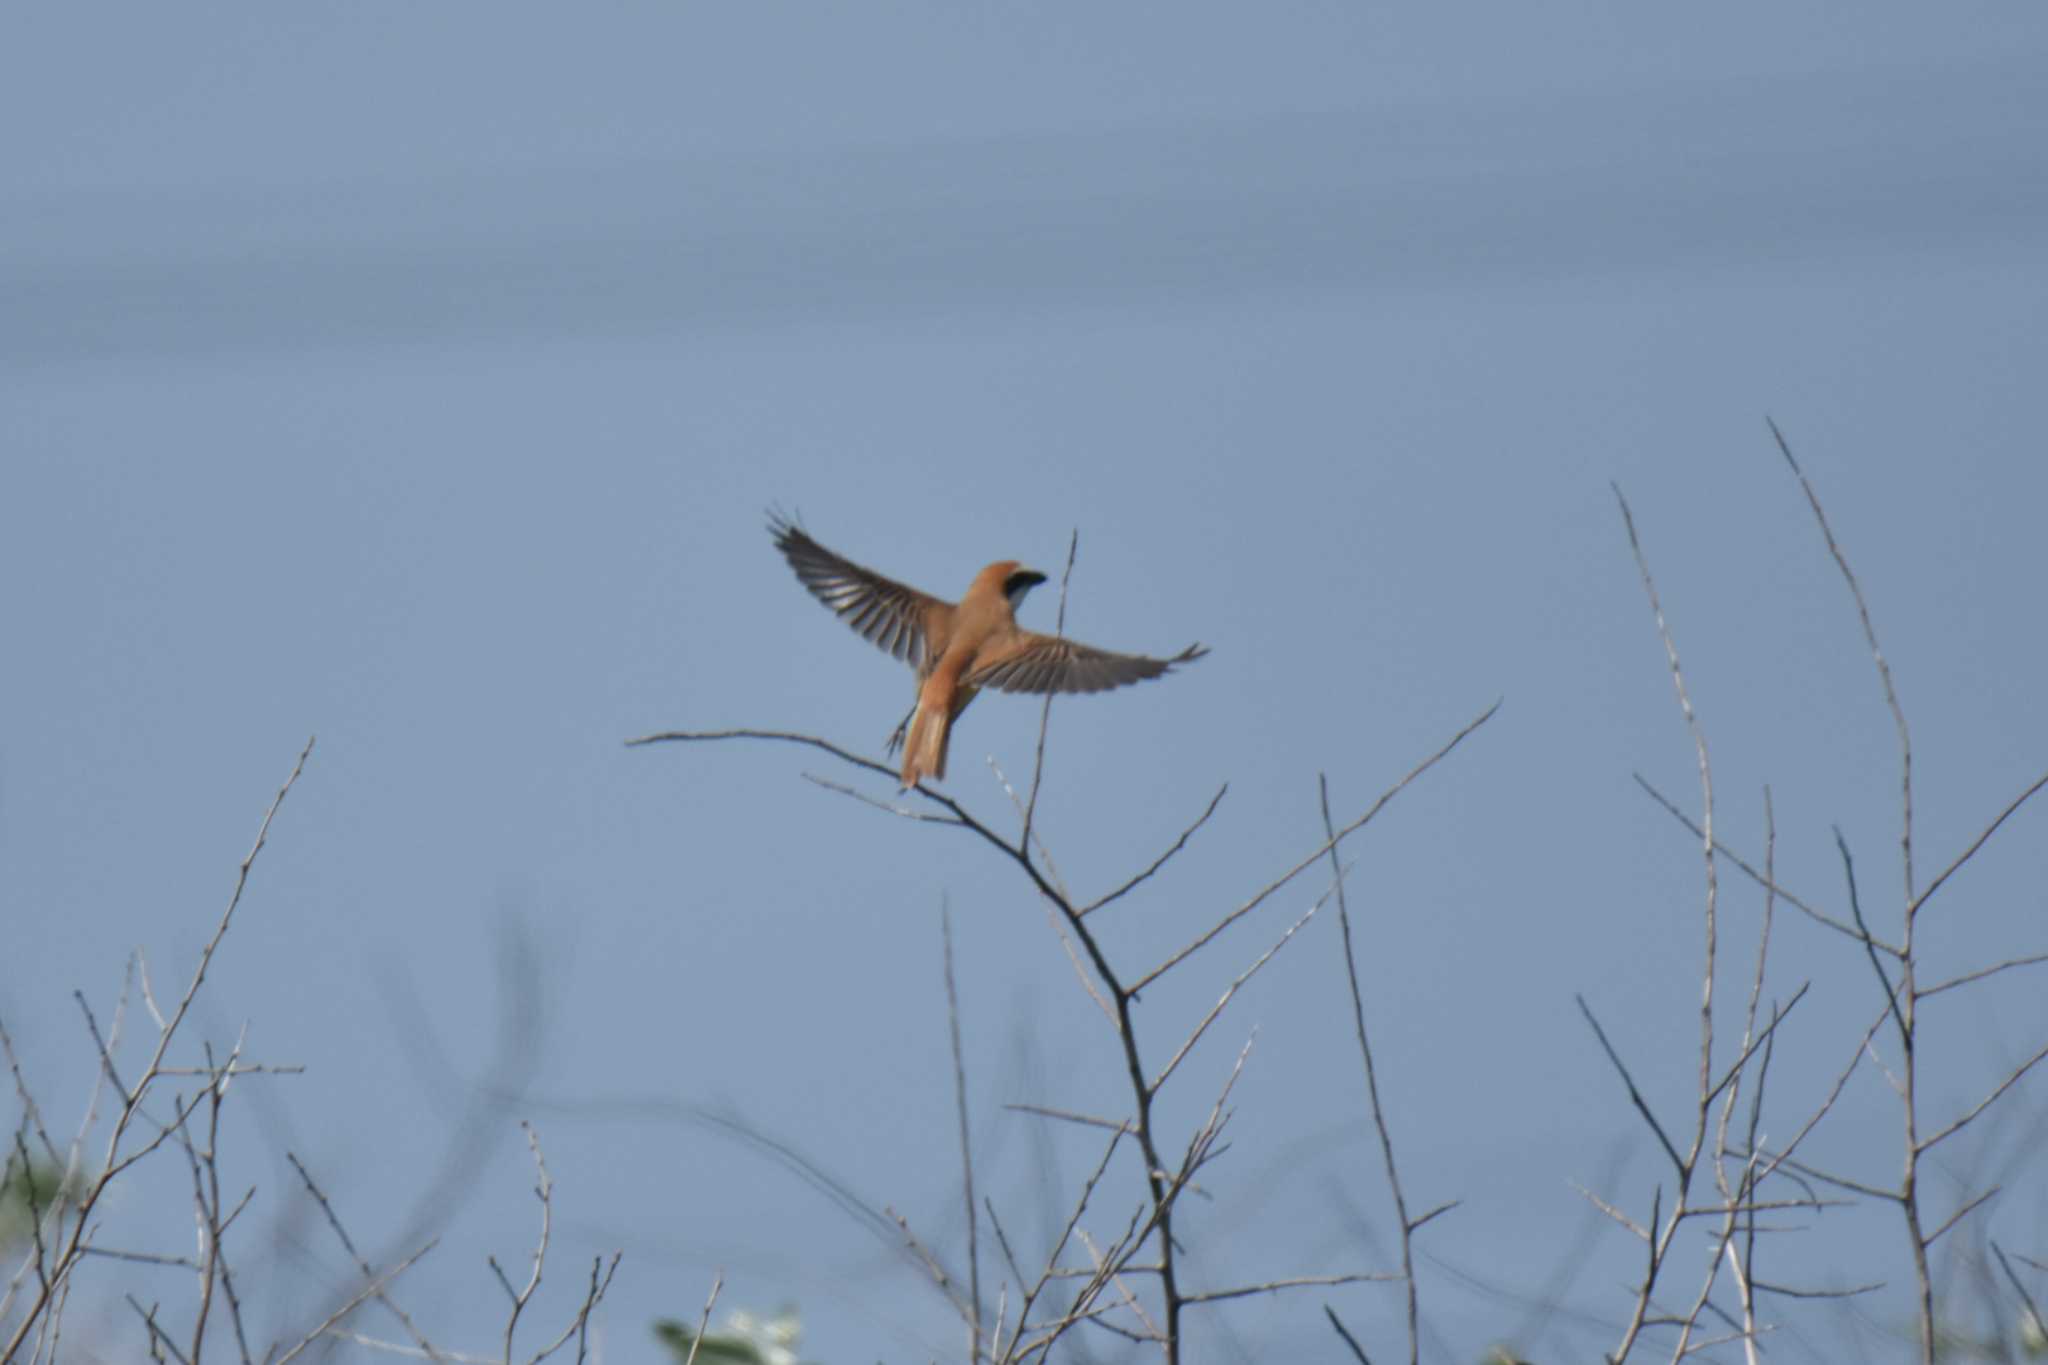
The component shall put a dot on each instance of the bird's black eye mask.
(1019, 583)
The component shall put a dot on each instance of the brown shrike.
(957, 648)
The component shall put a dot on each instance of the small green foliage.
(744, 1339)
(29, 1190)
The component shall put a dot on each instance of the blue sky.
(419, 379)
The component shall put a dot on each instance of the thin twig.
(1706, 771)
(1344, 1332)
(1884, 670)
(1045, 709)
(366, 1293)
(704, 1318)
(543, 1190)
(601, 1272)
(2012, 1078)
(1293, 1282)
(2031, 960)
(1983, 836)
(1372, 1089)
(1635, 1096)
(1161, 860)
(1763, 880)
(934, 1268)
(1059, 1247)
(966, 1148)
(1616, 1214)
(426, 1348)
(1751, 1047)
(1266, 892)
(2040, 1324)
(1242, 977)
(159, 1340)
(399, 1348)
(1960, 1214)
(878, 803)
(1891, 994)
(1069, 1116)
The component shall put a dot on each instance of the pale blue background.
(418, 376)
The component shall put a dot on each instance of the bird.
(957, 649)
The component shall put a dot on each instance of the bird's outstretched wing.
(1045, 663)
(881, 609)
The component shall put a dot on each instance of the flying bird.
(957, 648)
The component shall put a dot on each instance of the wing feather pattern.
(881, 610)
(1045, 663)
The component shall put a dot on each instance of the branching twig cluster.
(150, 1114)
(1126, 1280)
(1746, 1168)
(65, 1234)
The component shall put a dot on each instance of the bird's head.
(1010, 578)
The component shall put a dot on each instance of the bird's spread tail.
(924, 752)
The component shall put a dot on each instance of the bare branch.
(1787, 1292)
(1295, 1282)
(1232, 990)
(966, 1148)
(2017, 1074)
(932, 1266)
(1706, 771)
(1372, 1088)
(1884, 670)
(1891, 994)
(704, 1319)
(1960, 1214)
(368, 1292)
(601, 1272)
(31, 1115)
(1750, 1048)
(1635, 1096)
(786, 736)
(140, 1257)
(2040, 1324)
(159, 1340)
(543, 1190)
(1045, 709)
(1349, 1340)
(1763, 880)
(1161, 860)
(2031, 960)
(889, 806)
(1036, 838)
(1069, 1116)
(1611, 1211)
(1982, 838)
(399, 1348)
(1059, 1247)
(1265, 893)
(426, 1348)
(1431, 1215)
(1109, 1269)
(1828, 1102)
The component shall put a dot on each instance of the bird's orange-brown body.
(982, 631)
(958, 648)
